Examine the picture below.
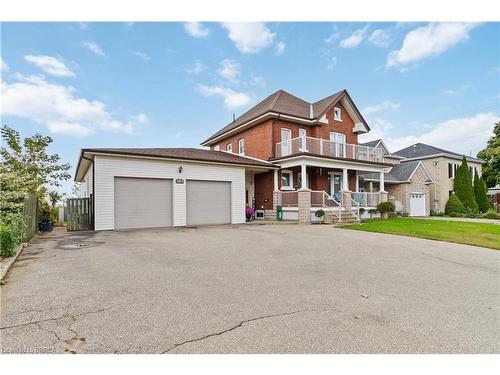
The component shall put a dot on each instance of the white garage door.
(208, 202)
(142, 203)
(417, 204)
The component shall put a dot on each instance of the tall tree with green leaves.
(27, 168)
(54, 197)
(480, 193)
(463, 187)
(491, 170)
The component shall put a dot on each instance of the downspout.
(93, 190)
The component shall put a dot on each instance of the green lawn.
(478, 234)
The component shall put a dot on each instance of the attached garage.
(208, 202)
(165, 187)
(417, 204)
(143, 203)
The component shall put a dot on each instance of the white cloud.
(465, 135)
(380, 38)
(197, 68)
(232, 99)
(58, 107)
(249, 37)
(354, 39)
(3, 66)
(94, 48)
(380, 107)
(50, 65)
(142, 55)
(229, 69)
(457, 91)
(196, 29)
(331, 63)
(142, 118)
(256, 80)
(280, 48)
(428, 41)
(333, 37)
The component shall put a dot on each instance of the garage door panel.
(417, 204)
(142, 203)
(208, 202)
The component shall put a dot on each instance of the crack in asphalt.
(64, 316)
(240, 324)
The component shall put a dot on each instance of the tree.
(491, 154)
(454, 206)
(480, 194)
(463, 187)
(54, 197)
(30, 161)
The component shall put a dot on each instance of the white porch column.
(345, 178)
(303, 176)
(382, 187)
(276, 180)
(357, 182)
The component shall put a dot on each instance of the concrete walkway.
(467, 219)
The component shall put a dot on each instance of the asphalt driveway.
(250, 289)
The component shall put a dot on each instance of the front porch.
(330, 185)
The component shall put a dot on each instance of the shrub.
(384, 207)
(372, 211)
(361, 211)
(463, 186)
(480, 194)
(7, 242)
(319, 213)
(16, 224)
(437, 213)
(454, 206)
(491, 214)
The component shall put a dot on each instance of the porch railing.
(322, 199)
(366, 199)
(324, 147)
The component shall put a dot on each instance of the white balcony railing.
(324, 147)
(322, 199)
(366, 199)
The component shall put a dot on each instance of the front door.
(335, 185)
(286, 144)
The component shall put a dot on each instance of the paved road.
(466, 219)
(251, 289)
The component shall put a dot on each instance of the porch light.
(180, 169)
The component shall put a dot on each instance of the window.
(286, 180)
(217, 148)
(303, 139)
(450, 170)
(337, 114)
(450, 192)
(338, 145)
(229, 147)
(241, 147)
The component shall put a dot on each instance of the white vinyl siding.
(86, 185)
(109, 167)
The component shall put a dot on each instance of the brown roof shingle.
(194, 154)
(284, 103)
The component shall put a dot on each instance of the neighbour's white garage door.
(142, 203)
(208, 202)
(417, 204)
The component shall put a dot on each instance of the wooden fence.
(31, 215)
(79, 214)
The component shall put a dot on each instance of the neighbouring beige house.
(441, 165)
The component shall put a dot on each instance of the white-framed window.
(217, 148)
(241, 146)
(452, 170)
(303, 139)
(229, 147)
(338, 145)
(337, 114)
(286, 180)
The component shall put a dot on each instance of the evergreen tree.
(480, 194)
(491, 170)
(463, 187)
(454, 206)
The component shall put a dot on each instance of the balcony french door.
(338, 145)
(286, 142)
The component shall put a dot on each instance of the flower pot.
(45, 226)
(248, 217)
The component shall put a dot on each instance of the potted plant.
(45, 224)
(320, 214)
(385, 208)
(249, 211)
(361, 212)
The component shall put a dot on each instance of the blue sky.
(174, 84)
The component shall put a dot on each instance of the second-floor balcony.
(324, 147)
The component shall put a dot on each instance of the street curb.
(8, 262)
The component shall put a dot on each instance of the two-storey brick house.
(318, 140)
